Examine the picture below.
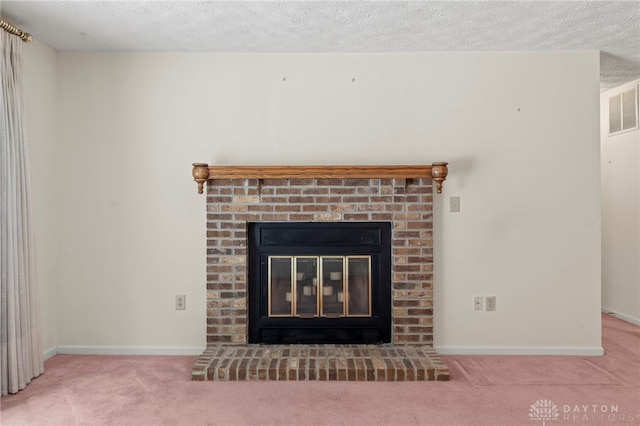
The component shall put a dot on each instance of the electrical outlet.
(490, 303)
(181, 302)
(454, 204)
(477, 303)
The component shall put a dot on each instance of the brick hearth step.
(320, 362)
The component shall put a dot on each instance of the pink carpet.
(484, 390)
(533, 370)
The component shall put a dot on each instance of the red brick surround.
(406, 203)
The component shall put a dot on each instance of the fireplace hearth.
(329, 305)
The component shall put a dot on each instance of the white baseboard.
(128, 350)
(506, 350)
(50, 353)
(442, 350)
(620, 315)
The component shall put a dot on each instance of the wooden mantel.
(203, 172)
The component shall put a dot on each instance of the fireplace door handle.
(307, 316)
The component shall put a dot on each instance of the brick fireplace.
(402, 196)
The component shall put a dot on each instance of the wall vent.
(623, 111)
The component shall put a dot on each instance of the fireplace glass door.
(319, 286)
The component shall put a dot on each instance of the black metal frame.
(322, 239)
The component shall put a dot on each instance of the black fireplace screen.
(320, 282)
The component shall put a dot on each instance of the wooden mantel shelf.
(203, 172)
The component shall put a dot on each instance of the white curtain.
(21, 356)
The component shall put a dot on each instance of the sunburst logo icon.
(543, 409)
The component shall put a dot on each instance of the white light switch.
(477, 303)
(454, 204)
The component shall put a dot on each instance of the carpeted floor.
(484, 390)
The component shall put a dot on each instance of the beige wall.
(620, 216)
(40, 74)
(520, 131)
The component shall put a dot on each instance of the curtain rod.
(26, 37)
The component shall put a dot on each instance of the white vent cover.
(623, 111)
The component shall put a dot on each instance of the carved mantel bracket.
(202, 172)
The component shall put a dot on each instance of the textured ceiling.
(340, 26)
